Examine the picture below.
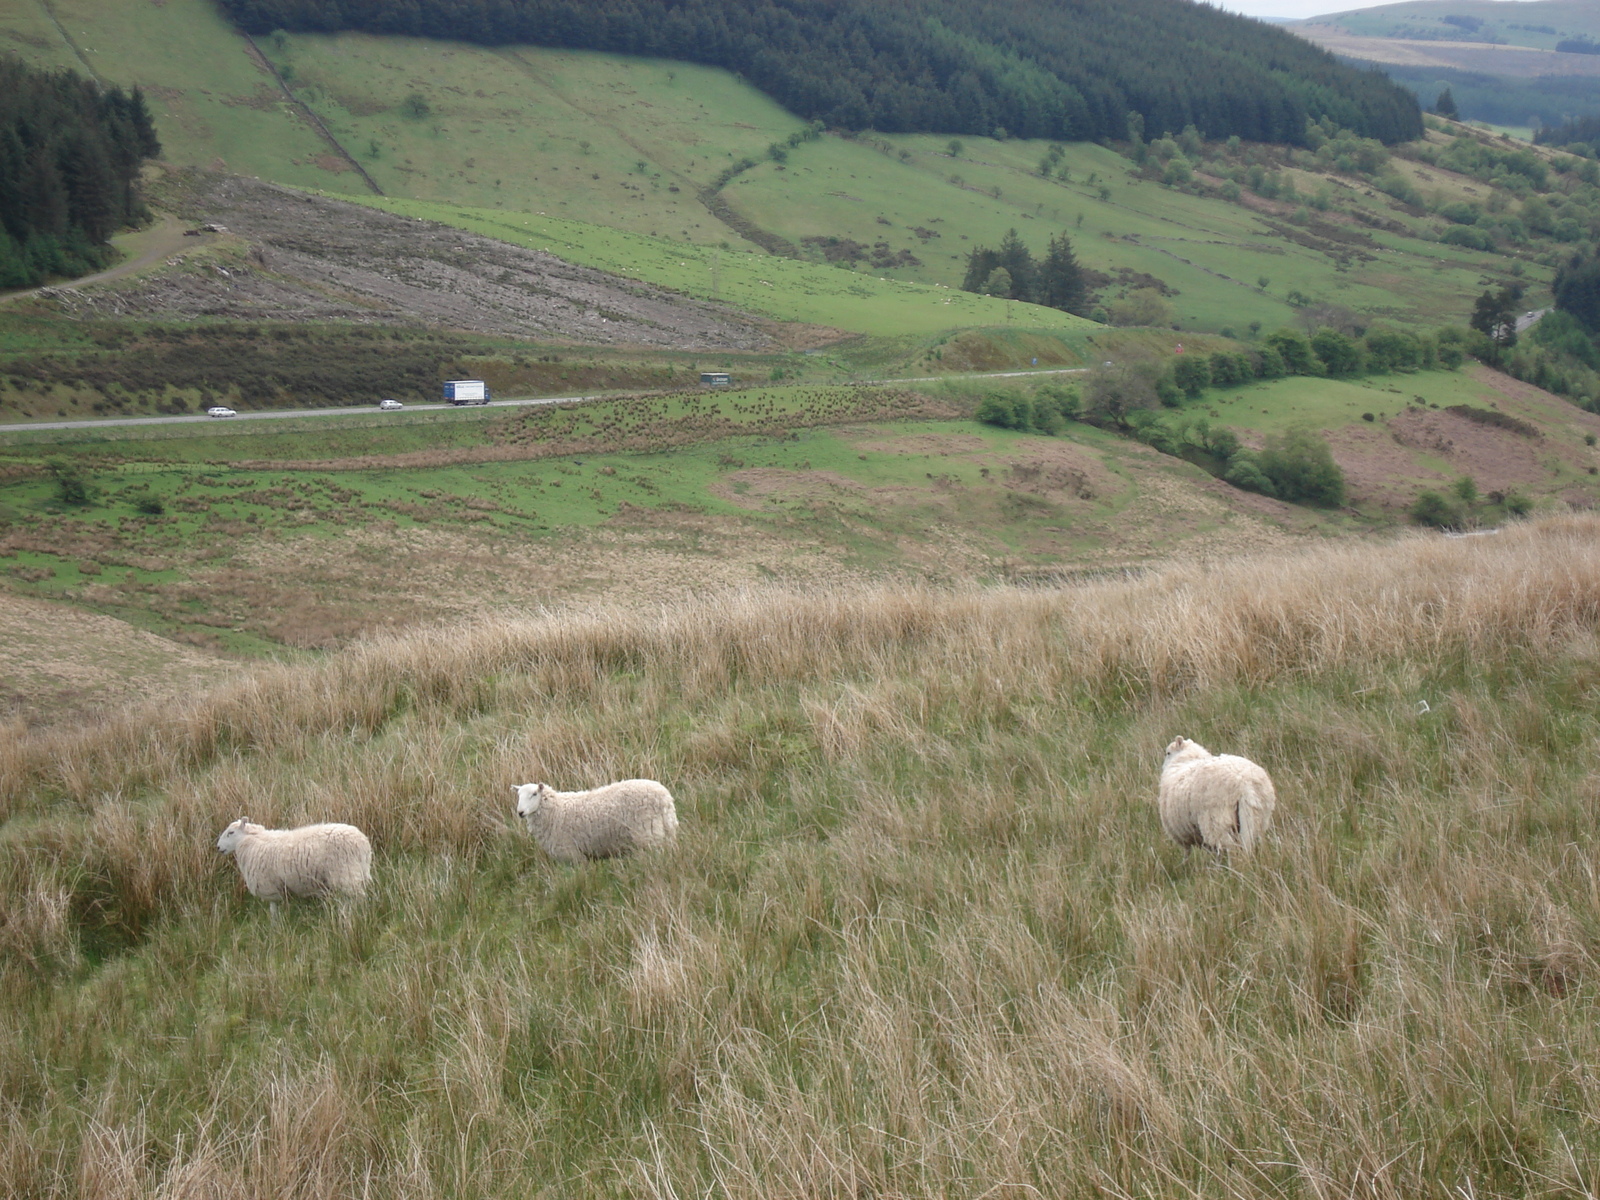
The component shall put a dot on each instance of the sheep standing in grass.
(313, 860)
(617, 819)
(1219, 801)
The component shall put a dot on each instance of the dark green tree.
(1301, 468)
(1445, 105)
(1577, 290)
(1495, 316)
(1192, 373)
(1338, 353)
(1061, 282)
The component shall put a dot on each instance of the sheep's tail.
(1255, 812)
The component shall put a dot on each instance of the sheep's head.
(1182, 749)
(234, 834)
(528, 797)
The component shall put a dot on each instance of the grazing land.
(920, 934)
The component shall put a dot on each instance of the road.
(279, 414)
(148, 246)
(1528, 320)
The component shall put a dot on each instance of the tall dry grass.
(920, 936)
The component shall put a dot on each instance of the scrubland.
(920, 935)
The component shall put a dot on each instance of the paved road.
(279, 414)
(1528, 320)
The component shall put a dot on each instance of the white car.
(389, 405)
(220, 410)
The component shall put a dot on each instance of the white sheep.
(313, 860)
(1219, 801)
(617, 819)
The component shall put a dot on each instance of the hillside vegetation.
(692, 156)
(942, 66)
(921, 934)
(70, 154)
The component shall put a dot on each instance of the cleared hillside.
(921, 934)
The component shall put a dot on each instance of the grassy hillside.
(920, 936)
(305, 534)
(309, 534)
(630, 144)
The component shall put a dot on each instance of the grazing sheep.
(1219, 801)
(314, 860)
(635, 814)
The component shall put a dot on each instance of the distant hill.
(1524, 64)
(947, 66)
(1540, 24)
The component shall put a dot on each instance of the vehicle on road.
(389, 405)
(220, 410)
(466, 391)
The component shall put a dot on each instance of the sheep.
(313, 860)
(617, 819)
(1219, 801)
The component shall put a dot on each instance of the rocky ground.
(289, 256)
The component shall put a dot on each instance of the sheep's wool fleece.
(617, 819)
(1220, 801)
(313, 860)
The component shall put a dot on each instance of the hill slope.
(949, 66)
(920, 936)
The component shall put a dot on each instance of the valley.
(1034, 453)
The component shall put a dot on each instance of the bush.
(1192, 373)
(71, 485)
(151, 506)
(1295, 350)
(1435, 510)
(1006, 408)
(1338, 353)
(1301, 468)
(1468, 236)
(1244, 471)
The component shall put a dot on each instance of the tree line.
(1011, 273)
(986, 67)
(70, 153)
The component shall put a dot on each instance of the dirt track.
(299, 257)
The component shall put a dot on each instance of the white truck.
(466, 391)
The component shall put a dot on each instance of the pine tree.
(1445, 105)
(1018, 261)
(1061, 283)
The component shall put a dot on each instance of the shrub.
(1007, 409)
(1295, 351)
(1244, 471)
(1301, 468)
(1433, 509)
(1338, 353)
(1192, 373)
(71, 485)
(1467, 236)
